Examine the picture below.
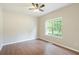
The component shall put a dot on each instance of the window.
(54, 27)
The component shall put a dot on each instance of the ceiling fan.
(37, 7)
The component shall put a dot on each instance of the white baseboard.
(66, 47)
(62, 45)
(1, 47)
(16, 42)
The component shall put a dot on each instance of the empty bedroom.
(39, 28)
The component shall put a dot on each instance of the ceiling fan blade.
(33, 4)
(41, 10)
(37, 5)
(42, 6)
(31, 8)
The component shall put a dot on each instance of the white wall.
(70, 15)
(19, 27)
(1, 27)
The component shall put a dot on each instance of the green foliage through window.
(54, 26)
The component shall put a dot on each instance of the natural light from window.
(54, 27)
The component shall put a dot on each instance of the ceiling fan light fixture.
(36, 10)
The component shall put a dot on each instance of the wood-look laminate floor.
(34, 47)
